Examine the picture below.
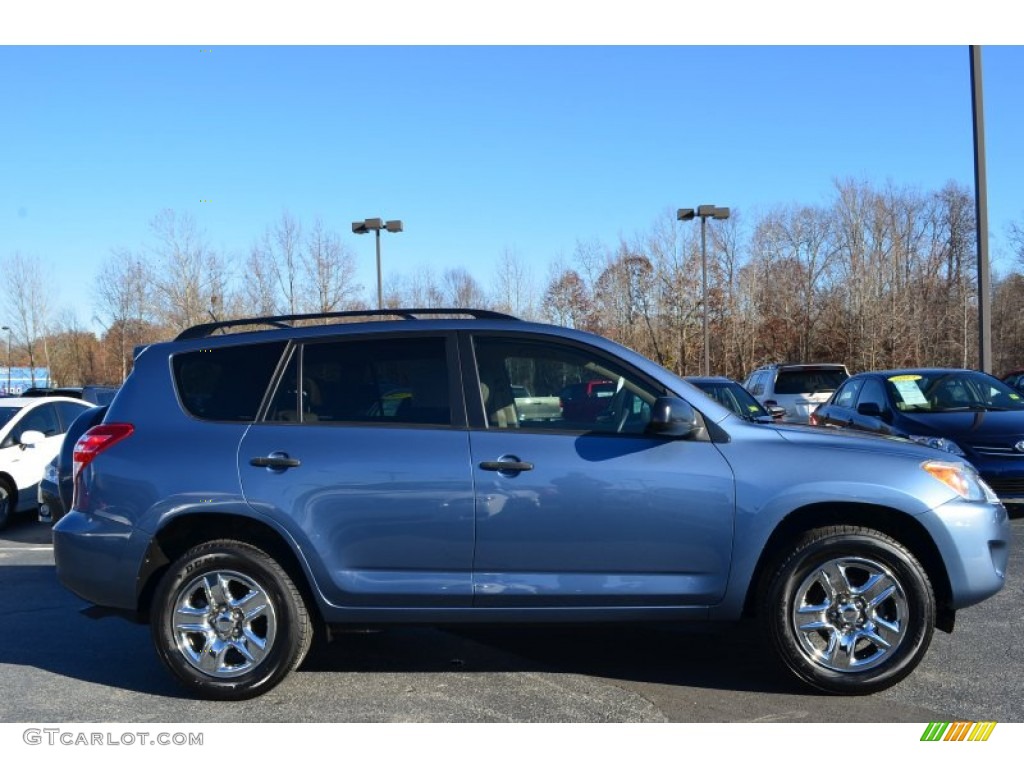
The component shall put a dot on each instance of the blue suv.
(257, 480)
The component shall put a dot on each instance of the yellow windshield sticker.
(905, 377)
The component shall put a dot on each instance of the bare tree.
(515, 292)
(329, 271)
(567, 301)
(123, 302)
(460, 289)
(190, 279)
(259, 289)
(28, 301)
(74, 353)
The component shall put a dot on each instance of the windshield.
(6, 414)
(943, 391)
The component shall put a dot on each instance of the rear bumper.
(98, 559)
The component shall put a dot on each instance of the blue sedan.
(970, 414)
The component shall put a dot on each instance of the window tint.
(847, 396)
(69, 412)
(808, 381)
(874, 392)
(570, 388)
(6, 414)
(756, 384)
(43, 419)
(401, 381)
(226, 383)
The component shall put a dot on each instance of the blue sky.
(478, 150)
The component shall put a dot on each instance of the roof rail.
(285, 321)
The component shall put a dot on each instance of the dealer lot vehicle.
(1015, 379)
(31, 432)
(97, 394)
(55, 488)
(970, 414)
(733, 396)
(531, 407)
(797, 388)
(247, 486)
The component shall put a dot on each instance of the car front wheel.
(7, 496)
(229, 622)
(850, 610)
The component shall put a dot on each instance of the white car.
(31, 432)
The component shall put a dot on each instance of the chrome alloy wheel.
(223, 623)
(850, 614)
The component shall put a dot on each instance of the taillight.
(89, 446)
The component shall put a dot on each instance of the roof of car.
(802, 365)
(710, 380)
(21, 402)
(250, 324)
(915, 371)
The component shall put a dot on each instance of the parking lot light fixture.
(704, 212)
(375, 226)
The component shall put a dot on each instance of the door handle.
(506, 466)
(274, 461)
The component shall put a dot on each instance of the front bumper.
(973, 539)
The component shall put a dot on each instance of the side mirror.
(672, 417)
(31, 438)
(778, 412)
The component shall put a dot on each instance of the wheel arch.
(189, 530)
(12, 491)
(12, 487)
(892, 522)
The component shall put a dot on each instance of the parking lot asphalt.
(56, 665)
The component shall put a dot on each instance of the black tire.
(849, 610)
(250, 626)
(8, 501)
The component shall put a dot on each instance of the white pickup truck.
(533, 408)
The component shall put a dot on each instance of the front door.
(587, 510)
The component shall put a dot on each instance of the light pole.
(704, 212)
(10, 333)
(376, 225)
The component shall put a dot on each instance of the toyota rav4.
(254, 480)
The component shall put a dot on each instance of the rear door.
(588, 510)
(363, 448)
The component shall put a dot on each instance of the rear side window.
(847, 397)
(755, 384)
(226, 383)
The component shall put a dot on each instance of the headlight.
(962, 478)
(942, 443)
(50, 473)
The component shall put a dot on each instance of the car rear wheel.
(229, 622)
(850, 610)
